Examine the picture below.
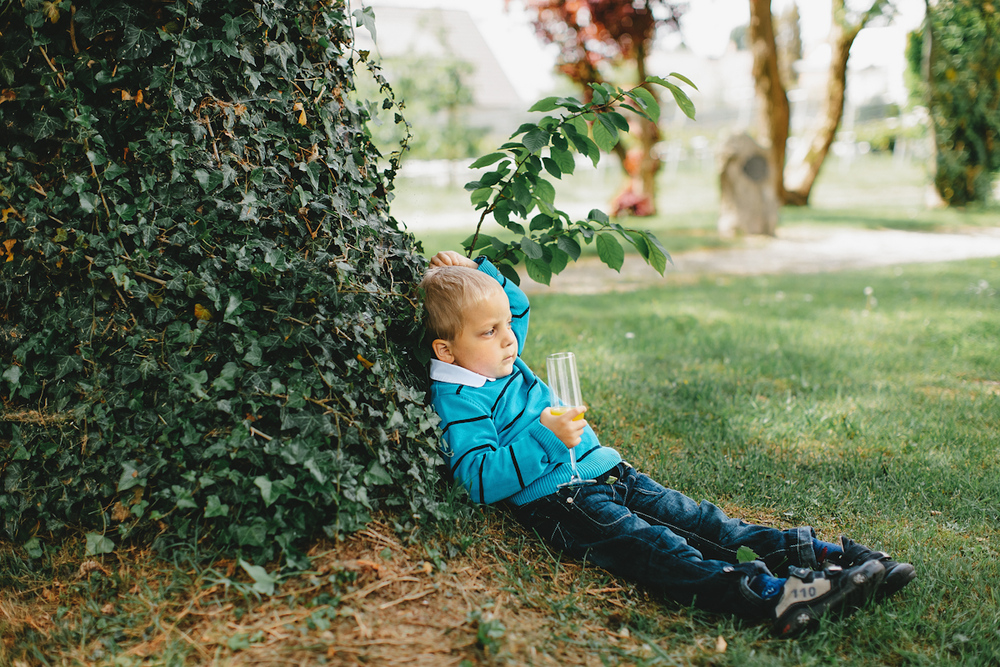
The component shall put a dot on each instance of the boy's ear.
(442, 350)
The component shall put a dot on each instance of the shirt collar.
(454, 374)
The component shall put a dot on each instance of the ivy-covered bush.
(201, 291)
(964, 95)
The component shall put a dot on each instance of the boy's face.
(486, 344)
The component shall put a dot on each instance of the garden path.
(793, 250)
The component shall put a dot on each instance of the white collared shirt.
(455, 374)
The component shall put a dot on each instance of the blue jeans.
(635, 528)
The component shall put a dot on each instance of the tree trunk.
(771, 96)
(649, 136)
(842, 36)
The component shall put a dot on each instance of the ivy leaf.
(610, 251)
(137, 43)
(215, 507)
(130, 477)
(267, 493)
(88, 201)
(68, 364)
(281, 52)
(13, 375)
(263, 582)
(97, 544)
(366, 17)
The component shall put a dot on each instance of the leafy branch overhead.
(517, 184)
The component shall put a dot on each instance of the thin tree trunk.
(843, 35)
(649, 136)
(771, 95)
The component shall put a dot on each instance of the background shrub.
(964, 95)
(201, 290)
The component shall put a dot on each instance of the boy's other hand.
(567, 426)
(452, 258)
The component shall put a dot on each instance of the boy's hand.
(568, 426)
(452, 258)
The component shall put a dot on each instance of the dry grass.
(370, 599)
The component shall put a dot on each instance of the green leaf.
(34, 548)
(481, 197)
(538, 271)
(130, 476)
(214, 507)
(366, 17)
(481, 242)
(683, 101)
(377, 475)
(545, 191)
(509, 272)
(658, 255)
(552, 167)
(617, 120)
(536, 140)
(600, 94)
(569, 246)
(605, 134)
(637, 240)
(541, 221)
(597, 215)
(559, 260)
(88, 201)
(68, 364)
(263, 582)
(267, 493)
(647, 102)
(684, 79)
(746, 555)
(487, 160)
(564, 159)
(520, 192)
(97, 544)
(254, 355)
(13, 375)
(545, 104)
(610, 251)
(531, 249)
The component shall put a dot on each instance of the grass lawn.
(865, 403)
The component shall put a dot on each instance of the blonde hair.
(449, 291)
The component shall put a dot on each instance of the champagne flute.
(564, 393)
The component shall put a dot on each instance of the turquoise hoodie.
(494, 441)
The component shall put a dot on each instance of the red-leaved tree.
(594, 34)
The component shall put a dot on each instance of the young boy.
(504, 444)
